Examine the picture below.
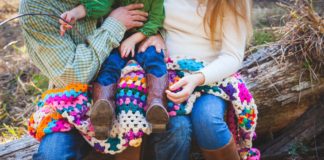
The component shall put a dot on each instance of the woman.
(216, 32)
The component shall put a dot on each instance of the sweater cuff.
(206, 73)
(115, 27)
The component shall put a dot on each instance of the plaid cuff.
(114, 26)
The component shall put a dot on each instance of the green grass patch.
(263, 37)
(9, 133)
(40, 81)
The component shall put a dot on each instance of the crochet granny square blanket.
(61, 110)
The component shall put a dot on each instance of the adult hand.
(130, 15)
(188, 84)
(156, 41)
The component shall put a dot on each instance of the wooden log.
(312, 154)
(20, 149)
(309, 126)
(306, 130)
(281, 87)
(24, 148)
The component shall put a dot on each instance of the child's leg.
(111, 69)
(104, 89)
(152, 62)
(157, 82)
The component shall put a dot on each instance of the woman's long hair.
(213, 18)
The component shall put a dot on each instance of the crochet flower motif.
(244, 93)
(61, 125)
(250, 153)
(135, 142)
(190, 65)
(229, 90)
(134, 139)
(113, 143)
(98, 147)
(247, 118)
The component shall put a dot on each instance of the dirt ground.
(17, 96)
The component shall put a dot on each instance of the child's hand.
(71, 17)
(127, 47)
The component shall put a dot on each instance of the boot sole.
(158, 116)
(101, 117)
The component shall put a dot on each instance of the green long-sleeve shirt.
(67, 59)
(155, 9)
(97, 8)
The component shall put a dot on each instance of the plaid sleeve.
(60, 58)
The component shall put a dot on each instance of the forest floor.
(16, 71)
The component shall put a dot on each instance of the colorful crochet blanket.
(61, 110)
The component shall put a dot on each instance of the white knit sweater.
(186, 36)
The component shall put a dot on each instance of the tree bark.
(23, 148)
(281, 86)
(306, 131)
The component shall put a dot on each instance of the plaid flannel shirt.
(67, 59)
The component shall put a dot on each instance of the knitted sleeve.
(97, 8)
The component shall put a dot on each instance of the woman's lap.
(175, 143)
(209, 128)
(206, 122)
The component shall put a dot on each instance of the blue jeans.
(62, 146)
(206, 122)
(175, 143)
(171, 145)
(209, 127)
(151, 61)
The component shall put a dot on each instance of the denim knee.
(63, 146)
(111, 69)
(152, 62)
(209, 127)
(176, 142)
(180, 127)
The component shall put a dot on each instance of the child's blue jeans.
(151, 61)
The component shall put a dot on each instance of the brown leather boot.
(102, 113)
(228, 152)
(131, 153)
(156, 113)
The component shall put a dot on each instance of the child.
(104, 88)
